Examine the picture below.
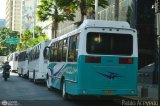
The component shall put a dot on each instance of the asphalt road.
(17, 91)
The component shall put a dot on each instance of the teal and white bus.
(98, 58)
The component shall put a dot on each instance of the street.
(22, 92)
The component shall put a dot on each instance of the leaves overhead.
(27, 39)
(6, 33)
(82, 5)
(49, 10)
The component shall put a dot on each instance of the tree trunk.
(55, 21)
(83, 9)
(55, 28)
(116, 10)
(52, 30)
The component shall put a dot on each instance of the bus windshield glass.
(109, 44)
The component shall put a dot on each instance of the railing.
(65, 30)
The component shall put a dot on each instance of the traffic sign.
(12, 40)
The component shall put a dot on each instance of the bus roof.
(105, 23)
(95, 23)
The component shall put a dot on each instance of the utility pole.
(34, 17)
(22, 6)
(96, 9)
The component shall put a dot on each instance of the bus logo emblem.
(110, 75)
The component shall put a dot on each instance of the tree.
(38, 31)
(6, 33)
(82, 5)
(48, 9)
(28, 41)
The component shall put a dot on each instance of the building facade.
(13, 14)
(120, 10)
(28, 14)
(9, 7)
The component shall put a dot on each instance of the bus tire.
(63, 89)
(30, 79)
(28, 74)
(48, 83)
(34, 79)
(5, 78)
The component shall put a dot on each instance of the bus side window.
(77, 45)
(46, 53)
(64, 50)
(60, 50)
(32, 53)
(38, 52)
(73, 49)
(54, 52)
(51, 54)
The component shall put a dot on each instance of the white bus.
(13, 61)
(37, 63)
(2, 60)
(23, 63)
(98, 58)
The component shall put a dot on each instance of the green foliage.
(27, 39)
(82, 5)
(38, 32)
(49, 10)
(5, 48)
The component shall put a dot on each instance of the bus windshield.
(109, 44)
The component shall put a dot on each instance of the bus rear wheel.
(63, 89)
(34, 77)
(48, 81)
(5, 78)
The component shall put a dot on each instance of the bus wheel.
(48, 81)
(28, 74)
(34, 77)
(64, 94)
(34, 80)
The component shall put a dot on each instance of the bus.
(2, 60)
(23, 63)
(99, 58)
(13, 61)
(37, 64)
